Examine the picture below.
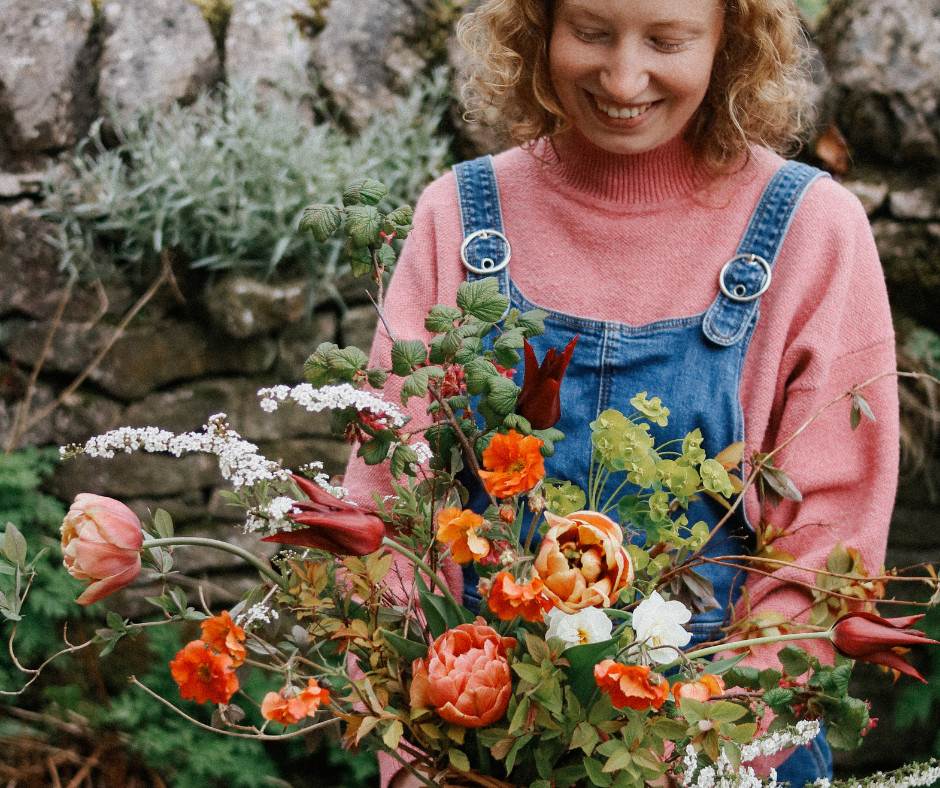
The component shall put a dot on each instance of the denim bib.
(693, 363)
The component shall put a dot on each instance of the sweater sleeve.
(842, 336)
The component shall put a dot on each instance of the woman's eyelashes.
(661, 44)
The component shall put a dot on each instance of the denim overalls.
(693, 363)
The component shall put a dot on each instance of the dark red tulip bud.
(331, 524)
(539, 400)
(872, 638)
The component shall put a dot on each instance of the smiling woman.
(630, 77)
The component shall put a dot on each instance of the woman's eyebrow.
(577, 8)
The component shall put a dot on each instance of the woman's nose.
(626, 75)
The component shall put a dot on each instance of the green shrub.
(225, 180)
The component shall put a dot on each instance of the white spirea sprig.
(239, 460)
(722, 774)
(914, 774)
(794, 736)
(336, 397)
(261, 613)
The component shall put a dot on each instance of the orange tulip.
(465, 677)
(101, 541)
(508, 599)
(223, 635)
(582, 561)
(289, 706)
(631, 686)
(458, 529)
(513, 463)
(202, 674)
(705, 687)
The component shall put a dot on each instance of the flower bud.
(101, 541)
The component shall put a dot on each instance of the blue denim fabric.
(693, 363)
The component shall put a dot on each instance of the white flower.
(658, 624)
(590, 625)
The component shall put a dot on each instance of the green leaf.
(386, 256)
(795, 660)
(14, 545)
(516, 748)
(693, 710)
(580, 670)
(321, 220)
(530, 673)
(458, 760)
(363, 223)
(376, 377)
(595, 773)
(401, 219)
(330, 364)
(375, 451)
(532, 322)
(781, 484)
(586, 737)
(393, 734)
(778, 696)
(720, 666)
(725, 711)
(502, 396)
(549, 438)
(404, 458)
(367, 191)
(406, 355)
(477, 374)
(509, 340)
(441, 318)
(163, 523)
(746, 677)
(482, 300)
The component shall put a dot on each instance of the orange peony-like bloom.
(508, 599)
(582, 561)
(631, 686)
(465, 677)
(203, 675)
(513, 463)
(289, 706)
(223, 635)
(458, 529)
(704, 688)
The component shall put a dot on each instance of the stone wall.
(180, 361)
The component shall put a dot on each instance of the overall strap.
(485, 250)
(747, 275)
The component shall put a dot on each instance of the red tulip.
(539, 401)
(332, 525)
(872, 638)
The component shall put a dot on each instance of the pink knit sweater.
(641, 238)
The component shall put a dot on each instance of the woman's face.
(631, 74)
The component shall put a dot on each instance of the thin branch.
(20, 425)
(166, 275)
(258, 736)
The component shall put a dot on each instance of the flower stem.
(402, 550)
(200, 541)
(706, 652)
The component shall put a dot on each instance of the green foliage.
(225, 181)
(918, 705)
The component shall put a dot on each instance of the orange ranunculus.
(702, 689)
(582, 561)
(458, 529)
(508, 599)
(202, 674)
(289, 706)
(513, 463)
(631, 686)
(465, 677)
(101, 541)
(225, 636)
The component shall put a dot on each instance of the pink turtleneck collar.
(661, 174)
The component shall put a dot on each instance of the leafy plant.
(224, 181)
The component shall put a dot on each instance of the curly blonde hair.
(758, 92)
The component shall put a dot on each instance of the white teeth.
(614, 111)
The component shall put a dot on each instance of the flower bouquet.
(574, 665)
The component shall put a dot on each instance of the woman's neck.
(651, 177)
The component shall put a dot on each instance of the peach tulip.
(465, 678)
(582, 561)
(101, 541)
